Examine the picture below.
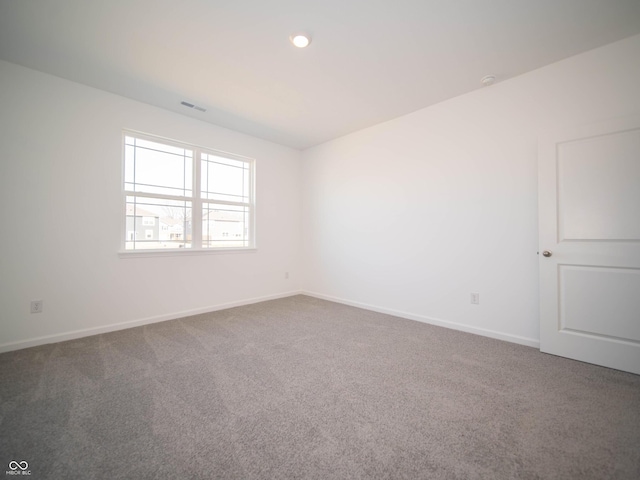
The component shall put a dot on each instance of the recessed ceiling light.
(300, 40)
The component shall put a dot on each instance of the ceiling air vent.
(195, 107)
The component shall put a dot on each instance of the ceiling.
(369, 60)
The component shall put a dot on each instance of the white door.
(589, 212)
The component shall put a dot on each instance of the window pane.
(148, 144)
(224, 179)
(153, 223)
(152, 167)
(188, 176)
(225, 225)
(129, 177)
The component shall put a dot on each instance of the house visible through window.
(183, 196)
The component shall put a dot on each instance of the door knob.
(546, 253)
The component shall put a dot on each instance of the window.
(180, 196)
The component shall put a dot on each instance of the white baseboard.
(61, 337)
(529, 342)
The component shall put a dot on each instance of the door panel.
(600, 301)
(599, 187)
(589, 212)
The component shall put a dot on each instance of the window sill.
(179, 252)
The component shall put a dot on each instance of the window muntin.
(164, 211)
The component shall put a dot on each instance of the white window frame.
(196, 201)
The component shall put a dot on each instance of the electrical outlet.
(36, 306)
(475, 298)
(286, 275)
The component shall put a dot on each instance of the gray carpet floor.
(305, 388)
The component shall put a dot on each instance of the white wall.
(60, 181)
(412, 215)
